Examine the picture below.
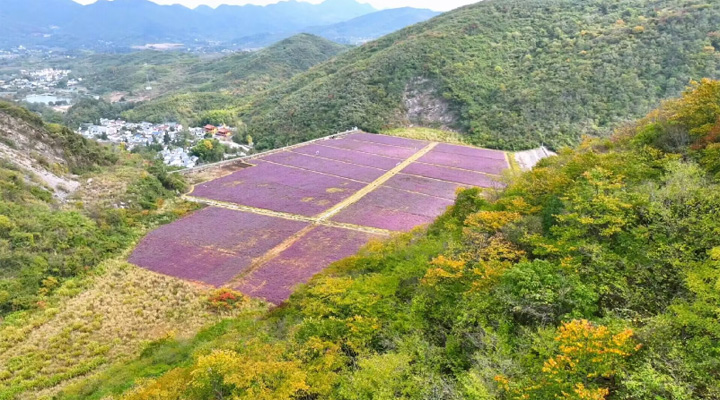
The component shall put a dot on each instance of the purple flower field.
(323, 165)
(372, 148)
(321, 247)
(393, 209)
(452, 175)
(479, 164)
(382, 218)
(280, 188)
(211, 245)
(349, 156)
(470, 151)
(391, 140)
(420, 184)
(217, 246)
(414, 203)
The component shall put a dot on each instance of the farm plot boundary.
(339, 189)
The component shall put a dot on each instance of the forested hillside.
(593, 276)
(510, 73)
(226, 81)
(176, 71)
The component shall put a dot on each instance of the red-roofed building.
(223, 131)
(210, 128)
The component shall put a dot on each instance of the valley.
(513, 199)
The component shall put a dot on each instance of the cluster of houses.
(131, 133)
(167, 135)
(178, 157)
(49, 86)
(39, 80)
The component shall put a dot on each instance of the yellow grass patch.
(94, 322)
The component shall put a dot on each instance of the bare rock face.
(426, 106)
(26, 147)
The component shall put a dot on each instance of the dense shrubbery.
(593, 276)
(514, 73)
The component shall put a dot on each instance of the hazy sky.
(438, 5)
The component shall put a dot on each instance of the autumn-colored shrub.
(225, 299)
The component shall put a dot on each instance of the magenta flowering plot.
(326, 166)
(393, 209)
(391, 140)
(415, 203)
(478, 164)
(382, 218)
(280, 188)
(349, 156)
(258, 211)
(464, 177)
(211, 245)
(470, 151)
(371, 147)
(420, 184)
(274, 281)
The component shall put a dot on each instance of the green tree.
(209, 150)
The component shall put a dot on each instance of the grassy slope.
(105, 73)
(515, 72)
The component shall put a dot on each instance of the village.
(49, 86)
(175, 140)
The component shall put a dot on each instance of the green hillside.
(247, 72)
(50, 234)
(593, 276)
(224, 82)
(510, 73)
(132, 72)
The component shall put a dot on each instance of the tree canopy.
(511, 74)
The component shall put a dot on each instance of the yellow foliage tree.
(588, 354)
(262, 373)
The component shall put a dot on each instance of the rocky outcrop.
(426, 106)
(29, 148)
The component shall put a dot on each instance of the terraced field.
(276, 224)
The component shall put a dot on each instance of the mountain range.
(125, 23)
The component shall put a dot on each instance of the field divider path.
(363, 152)
(283, 215)
(313, 171)
(313, 222)
(378, 143)
(375, 184)
(269, 255)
